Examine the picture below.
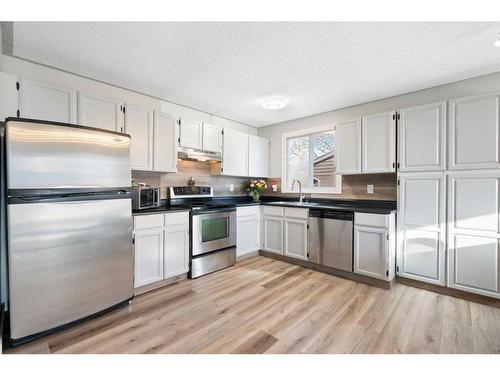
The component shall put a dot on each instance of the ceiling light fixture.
(275, 102)
(497, 42)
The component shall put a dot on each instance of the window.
(309, 156)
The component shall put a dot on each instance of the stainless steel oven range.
(213, 229)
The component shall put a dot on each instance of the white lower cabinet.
(285, 231)
(273, 234)
(295, 227)
(422, 227)
(374, 245)
(473, 232)
(248, 228)
(161, 247)
(295, 238)
(176, 250)
(148, 256)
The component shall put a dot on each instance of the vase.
(255, 195)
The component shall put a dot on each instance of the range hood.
(198, 155)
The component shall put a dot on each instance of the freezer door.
(44, 156)
(67, 260)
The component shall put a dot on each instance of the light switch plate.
(231, 187)
(369, 189)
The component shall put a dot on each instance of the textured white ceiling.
(225, 68)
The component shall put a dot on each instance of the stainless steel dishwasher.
(330, 238)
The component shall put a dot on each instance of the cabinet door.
(165, 143)
(296, 241)
(474, 133)
(422, 134)
(248, 234)
(258, 156)
(371, 252)
(100, 112)
(379, 143)
(9, 98)
(139, 124)
(348, 147)
(273, 234)
(473, 232)
(235, 153)
(212, 138)
(176, 255)
(422, 227)
(42, 101)
(148, 256)
(191, 134)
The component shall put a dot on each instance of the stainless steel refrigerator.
(69, 224)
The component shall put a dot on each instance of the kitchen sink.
(288, 203)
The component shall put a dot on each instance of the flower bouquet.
(256, 187)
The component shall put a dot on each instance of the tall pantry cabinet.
(421, 193)
(448, 194)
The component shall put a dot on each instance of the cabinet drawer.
(273, 211)
(148, 221)
(298, 213)
(247, 211)
(371, 220)
(176, 218)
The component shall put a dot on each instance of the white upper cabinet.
(165, 143)
(422, 232)
(191, 134)
(473, 232)
(100, 112)
(422, 138)
(474, 133)
(9, 100)
(212, 138)
(258, 156)
(379, 143)
(42, 101)
(139, 125)
(348, 147)
(235, 153)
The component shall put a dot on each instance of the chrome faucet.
(300, 189)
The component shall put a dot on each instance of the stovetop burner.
(202, 206)
(196, 198)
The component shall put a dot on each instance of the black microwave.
(145, 197)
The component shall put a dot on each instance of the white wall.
(29, 70)
(473, 86)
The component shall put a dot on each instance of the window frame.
(306, 189)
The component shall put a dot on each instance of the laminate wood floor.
(263, 305)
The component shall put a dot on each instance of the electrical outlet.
(369, 189)
(231, 187)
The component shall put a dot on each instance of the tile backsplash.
(200, 171)
(353, 187)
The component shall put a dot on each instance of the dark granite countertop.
(348, 205)
(366, 206)
(159, 210)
